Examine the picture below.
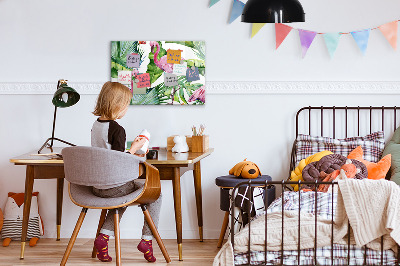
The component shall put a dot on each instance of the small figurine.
(180, 144)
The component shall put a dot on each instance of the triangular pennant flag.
(306, 39)
(390, 32)
(361, 37)
(213, 2)
(332, 41)
(281, 31)
(237, 9)
(256, 28)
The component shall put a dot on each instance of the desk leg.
(176, 182)
(27, 206)
(199, 204)
(60, 190)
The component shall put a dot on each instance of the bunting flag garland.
(332, 41)
(389, 30)
(237, 9)
(281, 31)
(361, 37)
(213, 2)
(306, 39)
(256, 28)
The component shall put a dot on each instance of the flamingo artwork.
(169, 72)
(198, 94)
(162, 63)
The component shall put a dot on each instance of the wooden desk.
(40, 167)
(169, 165)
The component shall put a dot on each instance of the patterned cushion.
(372, 144)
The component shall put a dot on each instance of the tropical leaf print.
(119, 51)
(153, 96)
(200, 49)
(187, 43)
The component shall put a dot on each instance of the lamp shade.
(65, 96)
(273, 11)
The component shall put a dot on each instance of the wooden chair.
(85, 167)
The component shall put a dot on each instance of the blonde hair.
(112, 99)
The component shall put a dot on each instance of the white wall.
(43, 41)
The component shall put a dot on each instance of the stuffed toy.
(245, 169)
(13, 215)
(296, 174)
(328, 164)
(180, 144)
(375, 170)
(348, 170)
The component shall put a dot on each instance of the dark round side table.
(228, 182)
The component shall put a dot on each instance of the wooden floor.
(50, 252)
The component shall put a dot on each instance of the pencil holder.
(200, 143)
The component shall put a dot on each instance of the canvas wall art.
(161, 72)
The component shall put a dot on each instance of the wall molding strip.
(231, 87)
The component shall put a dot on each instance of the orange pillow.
(375, 170)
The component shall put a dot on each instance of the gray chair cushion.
(84, 196)
(99, 167)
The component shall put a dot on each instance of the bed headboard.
(344, 121)
(344, 118)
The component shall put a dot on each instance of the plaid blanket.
(306, 201)
(324, 257)
(323, 205)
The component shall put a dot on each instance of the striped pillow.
(372, 145)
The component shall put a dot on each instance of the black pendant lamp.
(273, 11)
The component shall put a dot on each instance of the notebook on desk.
(50, 156)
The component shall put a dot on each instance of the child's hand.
(142, 155)
(137, 144)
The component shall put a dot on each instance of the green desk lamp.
(65, 96)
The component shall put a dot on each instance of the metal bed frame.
(283, 184)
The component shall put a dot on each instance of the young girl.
(112, 104)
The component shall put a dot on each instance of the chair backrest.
(92, 166)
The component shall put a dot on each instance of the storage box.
(171, 143)
(200, 143)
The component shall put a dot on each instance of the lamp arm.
(54, 118)
(46, 144)
(54, 126)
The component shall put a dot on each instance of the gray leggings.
(154, 208)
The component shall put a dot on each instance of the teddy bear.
(13, 215)
(180, 144)
(245, 169)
